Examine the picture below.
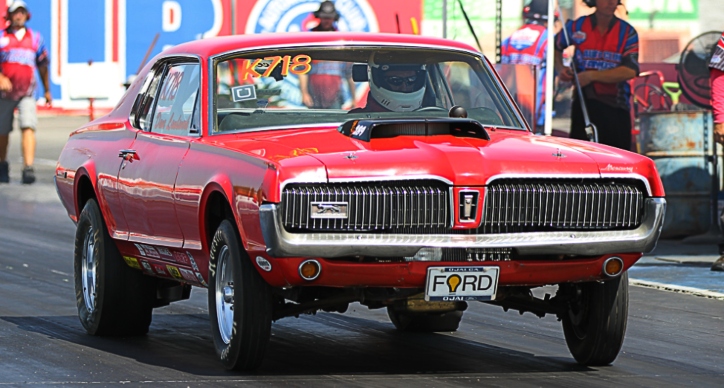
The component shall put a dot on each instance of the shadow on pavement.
(326, 344)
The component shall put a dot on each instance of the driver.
(394, 87)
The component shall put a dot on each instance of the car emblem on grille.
(333, 210)
(468, 206)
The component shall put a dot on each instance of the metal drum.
(677, 143)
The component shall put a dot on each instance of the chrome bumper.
(281, 243)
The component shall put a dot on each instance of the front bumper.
(281, 243)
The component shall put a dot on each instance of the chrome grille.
(513, 206)
(413, 207)
(476, 254)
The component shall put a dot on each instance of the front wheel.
(112, 298)
(595, 323)
(240, 303)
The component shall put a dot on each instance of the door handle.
(127, 154)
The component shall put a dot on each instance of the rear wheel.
(424, 322)
(595, 323)
(240, 303)
(112, 298)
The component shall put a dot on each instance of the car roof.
(208, 47)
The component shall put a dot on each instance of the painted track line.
(676, 288)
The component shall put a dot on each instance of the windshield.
(297, 87)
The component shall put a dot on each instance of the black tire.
(595, 324)
(112, 298)
(424, 322)
(240, 303)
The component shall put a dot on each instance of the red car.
(292, 173)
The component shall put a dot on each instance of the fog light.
(310, 269)
(613, 266)
(427, 254)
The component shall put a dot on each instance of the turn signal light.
(613, 266)
(310, 269)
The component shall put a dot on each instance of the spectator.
(322, 86)
(716, 69)
(527, 46)
(21, 51)
(606, 57)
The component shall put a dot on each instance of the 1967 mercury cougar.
(420, 191)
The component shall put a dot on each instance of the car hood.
(463, 161)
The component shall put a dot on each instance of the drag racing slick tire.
(240, 302)
(424, 322)
(113, 299)
(595, 323)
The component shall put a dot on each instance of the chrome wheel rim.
(225, 294)
(89, 270)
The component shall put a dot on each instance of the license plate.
(461, 283)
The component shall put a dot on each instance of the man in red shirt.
(527, 46)
(716, 70)
(606, 57)
(21, 51)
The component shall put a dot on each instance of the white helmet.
(396, 101)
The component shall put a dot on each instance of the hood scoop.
(366, 130)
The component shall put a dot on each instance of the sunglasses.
(397, 81)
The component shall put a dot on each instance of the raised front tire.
(595, 323)
(113, 299)
(240, 303)
(424, 322)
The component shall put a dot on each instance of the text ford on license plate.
(461, 283)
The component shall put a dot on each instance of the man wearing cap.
(22, 50)
(322, 86)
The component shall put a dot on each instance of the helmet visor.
(399, 78)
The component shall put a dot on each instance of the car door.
(169, 121)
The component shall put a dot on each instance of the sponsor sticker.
(243, 93)
(160, 269)
(147, 250)
(188, 275)
(164, 251)
(151, 251)
(192, 262)
(174, 271)
(146, 267)
(181, 258)
(201, 279)
(359, 130)
(263, 263)
(132, 262)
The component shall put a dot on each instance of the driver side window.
(176, 111)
